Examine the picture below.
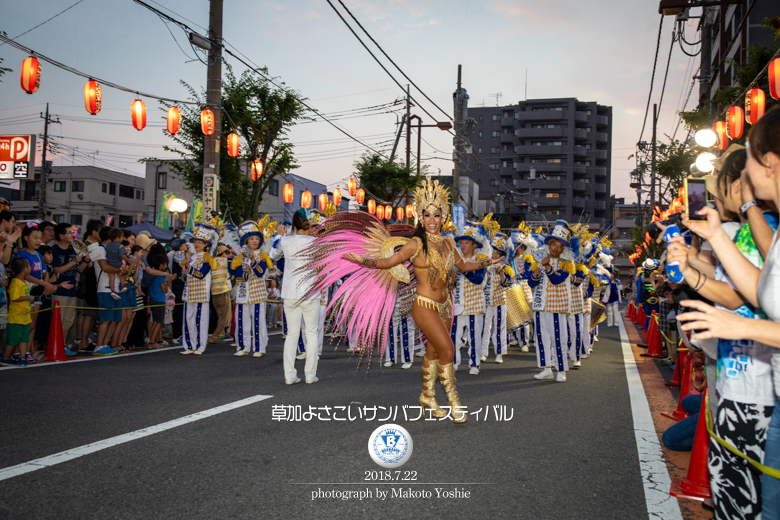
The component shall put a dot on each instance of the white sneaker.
(234, 344)
(420, 353)
(302, 355)
(240, 353)
(584, 356)
(312, 380)
(524, 348)
(456, 368)
(544, 374)
(294, 381)
(197, 352)
(595, 338)
(513, 342)
(388, 364)
(406, 365)
(561, 377)
(474, 371)
(186, 352)
(258, 354)
(577, 364)
(499, 358)
(351, 349)
(483, 358)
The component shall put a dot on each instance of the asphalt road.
(568, 452)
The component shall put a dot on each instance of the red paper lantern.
(360, 196)
(409, 212)
(755, 105)
(388, 212)
(380, 212)
(337, 197)
(720, 131)
(399, 213)
(323, 200)
(138, 109)
(371, 206)
(232, 144)
(257, 169)
(735, 122)
(774, 78)
(93, 98)
(306, 199)
(287, 193)
(351, 187)
(174, 120)
(207, 122)
(31, 74)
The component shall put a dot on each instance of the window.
(552, 195)
(493, 182)
(480, 132)
(514, 182)
(105, 187)
(480, 120)
(126, 191)
(112, 188)
(506, 130)
(547, 161)
(494, 149)
(506, 114)
(553, 177)
(77, 186)
(587, 147)
(138, 194)
(162, 181)
(479, 167)
(495, 133)
(545, 143)
(479, 150)
(505, 147)
(59, 185)
(542, 109)
(494, 166)
(544, 125)
(552, 212)
(273, 187)
(505, 164)
(516, 149)
(58, 219)
(76, 220)
(496, 117)
(590, 113)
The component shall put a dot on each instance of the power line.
(652, 78)
(666, 74)
(45, 21)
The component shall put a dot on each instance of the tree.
(673, 165)
(385, 179)
(262, 115)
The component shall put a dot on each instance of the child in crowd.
(37, 279)
(157, 300)
(116, 253)
(19, 318)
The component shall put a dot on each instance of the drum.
(518, 309)
(597, 313)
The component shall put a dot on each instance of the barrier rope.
(39, 311)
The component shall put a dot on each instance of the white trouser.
(302, 344)
(523, 335)
(551, 340)
(574, 341)
(612, 314)
(401, 331)
(309, 311)
(585, 332)
(473, 325)
(251, 332)
(196, 326)
(495, 329)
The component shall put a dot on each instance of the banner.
(163, 213)
(196, 210)
(459, 217)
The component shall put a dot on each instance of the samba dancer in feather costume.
(357, 244)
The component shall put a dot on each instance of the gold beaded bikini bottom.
(444, 309)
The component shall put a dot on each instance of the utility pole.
(213, 102)
(652, 163)
(42, 192)
(408, 129)
(705, 71)
(460, 98)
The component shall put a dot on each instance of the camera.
(654, 231)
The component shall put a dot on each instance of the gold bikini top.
(435, 261)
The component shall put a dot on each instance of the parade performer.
(587, 258)
(526, 243)
(251, 270)
(499, 278)
(575, 330)
(552, 302)
(612, 299)
(357, 244)
(196, 270)
(468, 298)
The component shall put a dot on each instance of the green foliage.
(262, 115)
(387, 180)
(698, 119)
(672, 165)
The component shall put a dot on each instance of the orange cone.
(55, 346)
(654, 342)
(675, 380)
(631, 309)
(685, 387)
(696, 484)
(649, 336)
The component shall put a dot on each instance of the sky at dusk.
(599, 50)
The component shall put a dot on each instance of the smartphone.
(695, 198)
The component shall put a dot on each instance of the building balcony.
(540, 167)
(600, 205)
(602, 137)
(507, 154)
(580, 151)
(601, 154)
(507, 138)
(602, 121)
(31, 196)
(601, 171)
(539, 150)
(508, 121)
(581, 117)
(548, 201)
(542, 115)
(579, 186)
(578, 203)
(580, 133)
(600, 188)
(539, 185)
(525, 133)
(579, 168)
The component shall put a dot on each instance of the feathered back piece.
(365, 300)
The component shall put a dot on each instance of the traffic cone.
(696, 484)
(648, 336)
(685, 387)
(655, 349)
(642, 317)
(55, 346)
(675, 380)
(631, 309)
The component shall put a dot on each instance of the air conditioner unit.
(81, 196)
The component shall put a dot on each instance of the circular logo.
(390, 446)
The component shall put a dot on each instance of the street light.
(706, 138)
(704, 162)
(177, 206)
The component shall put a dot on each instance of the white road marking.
(655, 476)
(64, 456)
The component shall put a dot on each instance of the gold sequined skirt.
(444, 309)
